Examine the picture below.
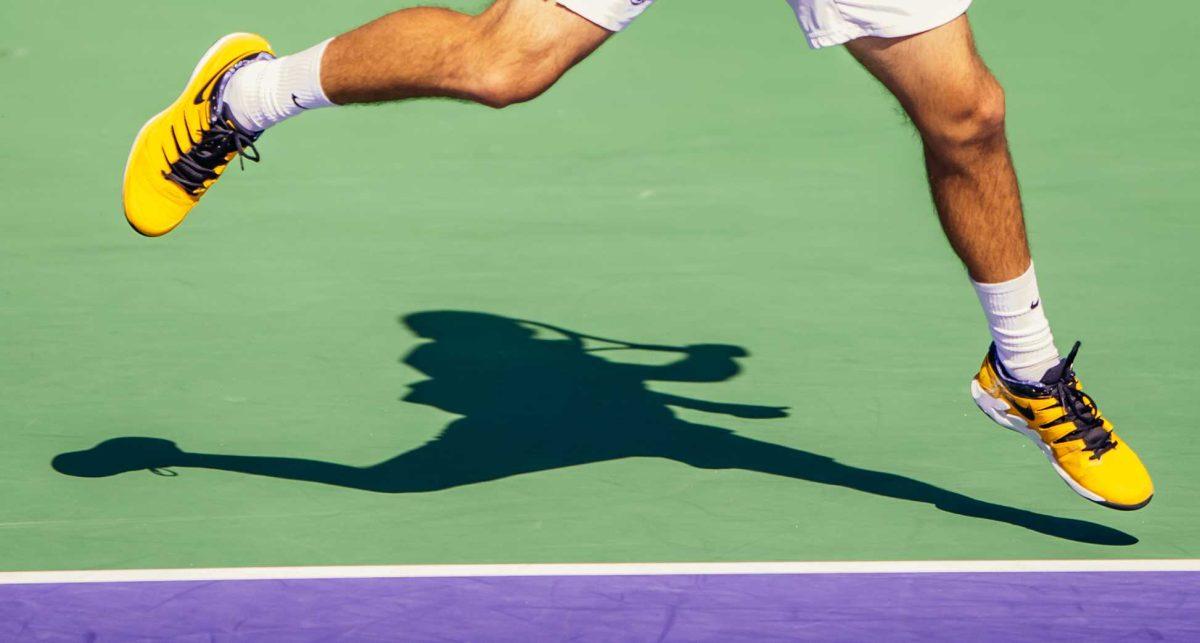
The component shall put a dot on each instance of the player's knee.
(973, 119)
(507, 84)
(987, 113)
(512, 61)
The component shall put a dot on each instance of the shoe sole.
(212, 51)
(997, 411)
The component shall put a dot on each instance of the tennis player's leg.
(958, 107)
(510, 53)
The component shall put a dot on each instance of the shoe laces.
(211, 151)
(1078, 408)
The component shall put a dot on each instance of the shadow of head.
(119, 455)
(509, 379)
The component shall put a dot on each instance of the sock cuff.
(1025, 280)
(1017, 320)
(303, 73)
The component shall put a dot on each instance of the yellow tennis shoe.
(1066, 425)
(179, 154)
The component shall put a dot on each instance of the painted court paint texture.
(944, 607)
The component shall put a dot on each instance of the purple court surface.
(1090, 606)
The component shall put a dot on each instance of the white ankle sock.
(1018, 323)
(266, 92)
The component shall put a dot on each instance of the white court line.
(600, 569)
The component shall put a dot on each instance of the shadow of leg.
(442, 463)
(706, 448)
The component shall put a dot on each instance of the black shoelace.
(200, 164)
(1079, 409)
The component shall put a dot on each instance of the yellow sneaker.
(181, 152)
(1066, 425)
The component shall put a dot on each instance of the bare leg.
(510, 53)
(958, 107)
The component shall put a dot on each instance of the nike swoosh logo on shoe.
(1026, 411)
(200, 98)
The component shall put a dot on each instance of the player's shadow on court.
(535, 401)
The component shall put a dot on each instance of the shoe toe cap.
(1121, 480)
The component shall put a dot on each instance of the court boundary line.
(597, 569)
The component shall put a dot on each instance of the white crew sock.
(266, 92)
(1018, 323)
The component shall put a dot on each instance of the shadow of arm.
(748, 411)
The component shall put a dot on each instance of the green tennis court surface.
(705, 179)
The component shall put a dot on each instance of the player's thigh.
(930, 73)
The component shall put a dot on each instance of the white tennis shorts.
(825, 22)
